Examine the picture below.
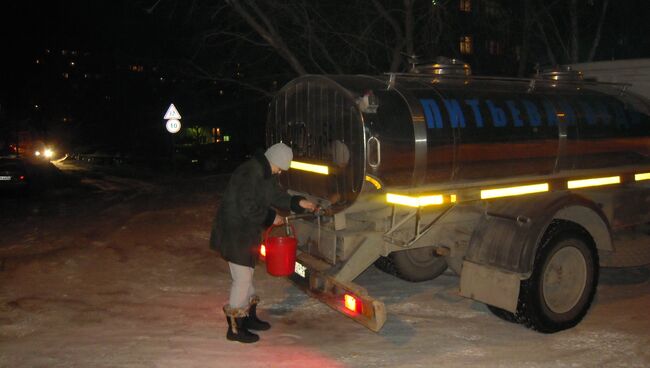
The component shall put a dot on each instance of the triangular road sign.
(172, 113)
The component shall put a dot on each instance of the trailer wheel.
(386, 264)
(503, 314)
(419, 264)
(563, 283)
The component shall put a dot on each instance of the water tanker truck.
(522, 187)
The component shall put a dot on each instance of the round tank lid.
(563, 73)
(442, 66)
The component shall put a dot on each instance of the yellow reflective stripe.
(593, 182)
(319, 169)
(514, 191)
(438, 199)
(420, 201)
(430, 200)
(642, 176)
(373, 181)
(402, 199)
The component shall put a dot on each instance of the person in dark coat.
(247, 207)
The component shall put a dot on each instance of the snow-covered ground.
(119, 275)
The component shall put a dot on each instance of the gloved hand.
(308, 205)
(279, 220)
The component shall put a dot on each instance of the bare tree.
(408, 26)
(574, 43)
(254, 37)
(526, 31)
(565, 26)
(262, 24)
(399, 34)
(601, 21)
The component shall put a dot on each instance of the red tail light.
(22, 177)
(351, 303)
(263, 250)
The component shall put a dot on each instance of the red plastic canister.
(280, 252)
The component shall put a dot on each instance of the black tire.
(562, 286)
(386, 264)
(415, 265)
(503, 314)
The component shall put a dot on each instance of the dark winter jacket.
(246, 209)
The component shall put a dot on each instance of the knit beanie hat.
(279, 155)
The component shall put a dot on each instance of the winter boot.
(252, 322)
(236, 318)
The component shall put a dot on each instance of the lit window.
(466, 6)
(494, 47)
(216, 135)
(466, 45)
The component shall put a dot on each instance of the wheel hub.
(564, 279)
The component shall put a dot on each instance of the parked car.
(13, 175)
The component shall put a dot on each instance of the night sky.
(96, 25)
(125, 109)
(112, 35)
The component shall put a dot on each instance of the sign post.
(173, 125)
(173, 118)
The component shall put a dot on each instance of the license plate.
(300, 270)
(4, 177)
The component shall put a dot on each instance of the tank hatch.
(442, 66)
(563, 73)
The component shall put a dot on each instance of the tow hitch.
(348, 298)
(315, 277)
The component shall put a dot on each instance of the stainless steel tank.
(409, 130)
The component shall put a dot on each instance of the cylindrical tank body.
(414, 130)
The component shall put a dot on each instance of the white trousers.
(242, 288)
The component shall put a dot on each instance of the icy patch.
(422, 310)
(286, 339)
(185, 289)
(619, 343)
(17, 330)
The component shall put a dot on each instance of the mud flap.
(316, 283)
(490, 285)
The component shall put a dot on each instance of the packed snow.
(106, 271)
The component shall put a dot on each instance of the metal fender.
(510, 230)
